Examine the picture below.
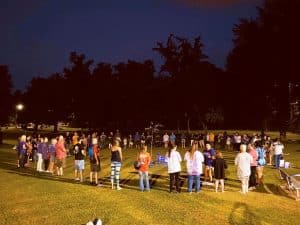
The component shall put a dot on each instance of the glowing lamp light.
(20, 107)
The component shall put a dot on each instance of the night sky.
(38, 36)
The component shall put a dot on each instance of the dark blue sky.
(38, 36)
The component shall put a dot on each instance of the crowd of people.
(200, 157)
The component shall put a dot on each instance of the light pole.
(19, 107)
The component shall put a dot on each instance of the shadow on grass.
(127, 183)
(241, 214)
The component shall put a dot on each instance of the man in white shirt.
(278, 151)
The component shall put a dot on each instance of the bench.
(292, 183)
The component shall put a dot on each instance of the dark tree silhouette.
(264, 61)
(45, 102)
(192, 79)
(6, 105)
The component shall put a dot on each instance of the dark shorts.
(59, 163)
(95, 167)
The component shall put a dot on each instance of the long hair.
(219, 154)
(192, 151)
(116, 142)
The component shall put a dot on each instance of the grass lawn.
(30, 198)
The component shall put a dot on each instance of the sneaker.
(99, 185)
(77, 179)
(251, 188)
(119, 188)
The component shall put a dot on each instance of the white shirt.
(194, 166)
(174, 161)
(278, 148)
(243, 161)
(165, 138)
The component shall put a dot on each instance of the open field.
(31, 198)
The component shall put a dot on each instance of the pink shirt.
(60, 150)
(254, 155)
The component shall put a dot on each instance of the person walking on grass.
(194, 159)
(79, 154)
(61, 154)
(219, 165)
(116, 162)
(144, 159)
(173, 159)
(94, 155)
(243, 162)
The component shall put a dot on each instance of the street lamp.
(19, 107)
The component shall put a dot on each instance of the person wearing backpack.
(94, 152)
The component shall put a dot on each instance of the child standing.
(144, 158)
(219, 170)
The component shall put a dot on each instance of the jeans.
(191, 179)
(144, 175)
(277, 161)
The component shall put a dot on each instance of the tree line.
(253, 91)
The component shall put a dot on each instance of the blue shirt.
(208, 154)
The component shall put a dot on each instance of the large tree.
(45, 101)
(194, 81)
(264, 61)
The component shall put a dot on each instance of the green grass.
(29, 198)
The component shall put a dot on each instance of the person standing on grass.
(29, 156)
(219, 165)
(173, 138)
(209, 156)
(144, 158)
(21, 151)
(52, 155)
(183, 140)
(94, 155)
(45, 154)
(116, 162)
(166, 139)
(261, 152)
(79, 154)
(253, 166)
(194, 159)
(173, 159)
(39, 154)
(278, 151)
(243, 162)
(61, 154)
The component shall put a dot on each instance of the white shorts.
(79, 164)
